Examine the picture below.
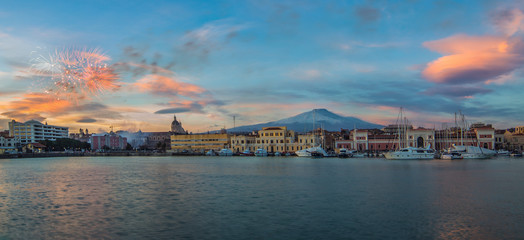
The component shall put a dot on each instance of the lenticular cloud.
(473, 59)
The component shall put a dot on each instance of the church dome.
(176, 127)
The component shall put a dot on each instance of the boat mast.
(399, 122)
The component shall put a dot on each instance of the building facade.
(111, 140)
(366, 141)
(81, 136)
(275, 139)
(9, 144)
(199, 142)
(34, 131)
(515, 139)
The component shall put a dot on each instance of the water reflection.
(287, 198)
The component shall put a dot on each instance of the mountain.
(304, 122)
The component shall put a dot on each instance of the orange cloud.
(169, 86)
(472, 59)
(31, 105)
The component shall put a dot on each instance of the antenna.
(234, 121)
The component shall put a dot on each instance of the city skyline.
(266, 60)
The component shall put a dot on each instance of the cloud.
(508, 21)
(473, 59)
(173, 110)
(457, 91)
(210, 37)
(167, 86)
(86, 120)
(31, 105)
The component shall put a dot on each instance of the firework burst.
(75, 73)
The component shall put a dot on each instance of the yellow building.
(515, 139)
(274, 139)
(240, 143)
(199, 142)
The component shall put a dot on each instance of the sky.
(259, 61)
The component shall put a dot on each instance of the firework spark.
(74, 73)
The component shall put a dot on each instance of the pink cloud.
(168, 86)
(472, 59)
(508, 21)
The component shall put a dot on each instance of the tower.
(176, 127)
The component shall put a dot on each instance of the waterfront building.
(8, 144)
(275, 139)
(159, 140)
(500, 140)
(485, 135)
(81, 136)
(515, 138)
(34, 148)
(240, 143)
(199, 142)
(364, 140)
(34, 131)
(110, 140)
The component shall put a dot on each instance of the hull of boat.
(408, 156)
(475, 156)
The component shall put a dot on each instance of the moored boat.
(225, 152)
(247, 153)
(261, 152)
(307, 152)
(472, 152)
(451, 156)
(344, 153)
(411, 153)
(211, 153)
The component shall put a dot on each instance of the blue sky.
(207, 61)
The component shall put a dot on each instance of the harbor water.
(260, 198)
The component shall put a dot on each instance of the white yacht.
(411, 153)
(307, 152)
(473, 152)
(408, 153)
(451, 156)
(225, 152)
(261, 152)
(356, 154)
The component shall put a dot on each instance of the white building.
(8, 144)
(33, 131)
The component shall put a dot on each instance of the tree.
(62, 144)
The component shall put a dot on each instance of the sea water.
(260, 198)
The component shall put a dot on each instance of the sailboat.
(407, 153)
